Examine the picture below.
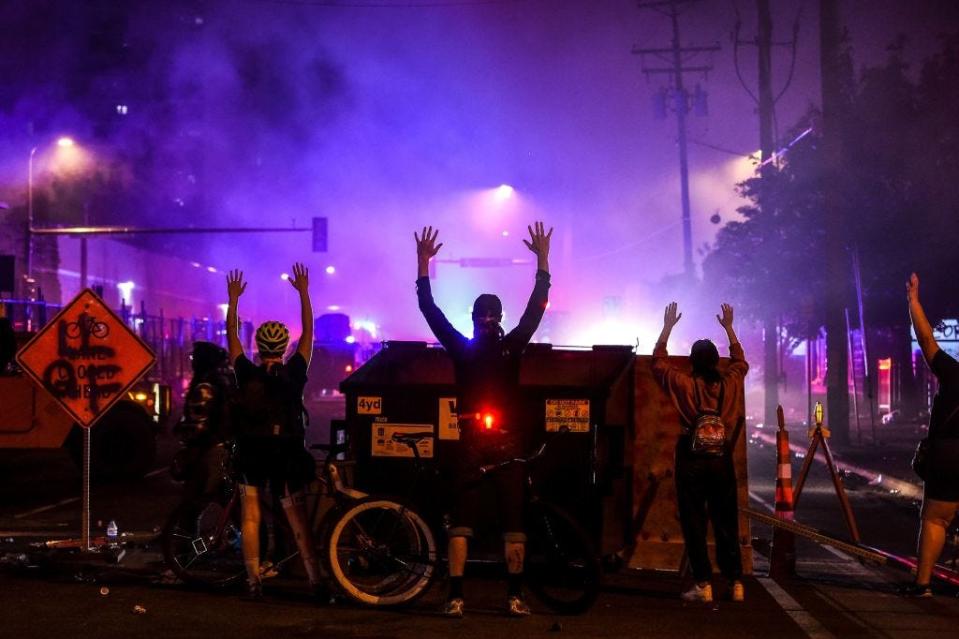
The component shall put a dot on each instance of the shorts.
(942, 479)
(281, 462)
(509, 484)
(933, 509)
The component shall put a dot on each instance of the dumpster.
(580, 397)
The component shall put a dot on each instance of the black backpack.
(267, 405)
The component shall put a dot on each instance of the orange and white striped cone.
(782, 561)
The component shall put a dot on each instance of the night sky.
(388, 116)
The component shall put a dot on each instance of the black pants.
(706, 491)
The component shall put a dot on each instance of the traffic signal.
(319, 234)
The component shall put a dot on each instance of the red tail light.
(488, 421)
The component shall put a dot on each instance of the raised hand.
(912, 288)
(538, 240)
(671, 317)
(300, 279)
(726, 321)
(235, 284)
(426, 246)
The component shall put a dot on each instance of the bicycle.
(562, 569)
(202, 538)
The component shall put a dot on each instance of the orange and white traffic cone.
(782, 561)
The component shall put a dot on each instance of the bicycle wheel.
(562, 569)
(381, 553)
(202, 543)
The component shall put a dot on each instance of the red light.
(885, 364)
(349, 368)
(488, 421)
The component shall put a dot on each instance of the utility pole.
(673, 56)
(766, 103)
(837, 353)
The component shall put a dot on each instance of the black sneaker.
(254, 591)
(321, 594)
(921, 591)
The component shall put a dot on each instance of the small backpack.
(266, 406)
(707, 432)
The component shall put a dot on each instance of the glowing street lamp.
(63, 143)
(503, 192)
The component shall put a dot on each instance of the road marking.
(806, 622)
(70, 500)
(41, 509)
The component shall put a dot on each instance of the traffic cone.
(782, 561)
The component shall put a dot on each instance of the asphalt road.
(833, 596)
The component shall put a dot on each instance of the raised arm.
(234, 288)
(301, 282)
(921, 324)
(662, 371)
(426, 249)
(671, 317)
(538, 243)
(737, 365)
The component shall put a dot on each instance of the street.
(833, 596)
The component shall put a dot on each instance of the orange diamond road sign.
(86, 358)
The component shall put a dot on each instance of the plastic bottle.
(112, 532)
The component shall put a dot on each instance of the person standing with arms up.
(489, 403)
(269, 423)
(705, 475)
(940, 470)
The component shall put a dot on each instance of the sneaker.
(916, 590)
(268, 570)
(736, 592)
(698, 594)
(254, 591)
(516, 606)
(453, 607)
(321, 594)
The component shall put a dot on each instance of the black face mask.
(487, 328)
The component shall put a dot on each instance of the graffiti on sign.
(86, 358)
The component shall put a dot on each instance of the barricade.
(782, 562)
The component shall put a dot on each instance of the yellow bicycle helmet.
(272, 338)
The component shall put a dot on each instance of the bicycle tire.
(199, 549)
(562, 568)
(380, 552)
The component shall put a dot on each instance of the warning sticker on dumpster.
(384, 443)
(449, 419)
(86, 358)
(567, 414)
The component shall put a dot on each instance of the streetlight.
(64, 143)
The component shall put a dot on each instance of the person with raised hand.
(489, 401)
(270, 427)
(937, 459)
(705, 476)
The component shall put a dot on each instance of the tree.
(896, 195)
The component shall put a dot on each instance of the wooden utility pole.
(837, 352)
(766, 104)
(767, 144)
(676, 68)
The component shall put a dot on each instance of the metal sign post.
(86, 358)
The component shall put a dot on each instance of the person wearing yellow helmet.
(269, 422)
